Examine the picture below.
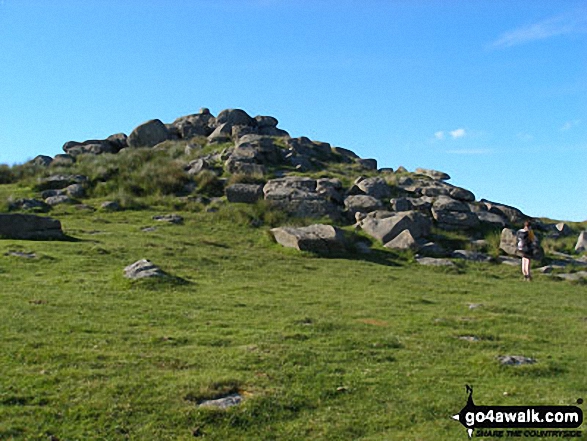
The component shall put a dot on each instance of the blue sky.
(492, 92)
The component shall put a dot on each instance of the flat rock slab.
(432, 261)
(508, 260)
(471, 256)
(223, 403)
(143, 269)
(316, 238)
(573, 277)
(21, 254)
(515, 360)
(29, 226)
(171, 218)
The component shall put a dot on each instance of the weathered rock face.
(298, 197)
(315, 238)
(148, 134)
(385, 226)
(29, 226)
(493, 219)
(244, 193)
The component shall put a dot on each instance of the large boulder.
(29, 226)
(385, 226)
(581, 242)
(58, 182)
(315, 238)
(403, 241)
(491, 219)
(199, 124)
(93, 147)
(508, 242)
(41, 161)
(235, 117)
(451, 214)
(148, 134)
(361, 204)
(376, 187)
(513, 215)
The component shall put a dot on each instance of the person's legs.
(526, 267)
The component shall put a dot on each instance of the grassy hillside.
(353, 347)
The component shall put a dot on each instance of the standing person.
(526, 243)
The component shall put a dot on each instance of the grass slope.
(353, 347)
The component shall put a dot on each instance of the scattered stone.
(75, 191)
(508, 260)
(432, 249)
(432, 261)
(475, 305)
(142, 269)
(29, 204)
(515, 360)
(110, 206)
(316, 238)
(57, 200)
(29, 226)
(223, 403)
(469, 338)
(148, 229)
(170, 218)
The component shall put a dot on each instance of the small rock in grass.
(142, 269)
(475, 305)
(110, 206)
(21, 254)
(223, 403)
(171, 218)
(515, 360)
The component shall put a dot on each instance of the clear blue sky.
(492, 92)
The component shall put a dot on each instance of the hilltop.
(202, 161)
(215, 278)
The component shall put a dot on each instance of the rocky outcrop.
(316, 238)
(29, 226)
(434, 174)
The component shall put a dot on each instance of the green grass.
(353, 347)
